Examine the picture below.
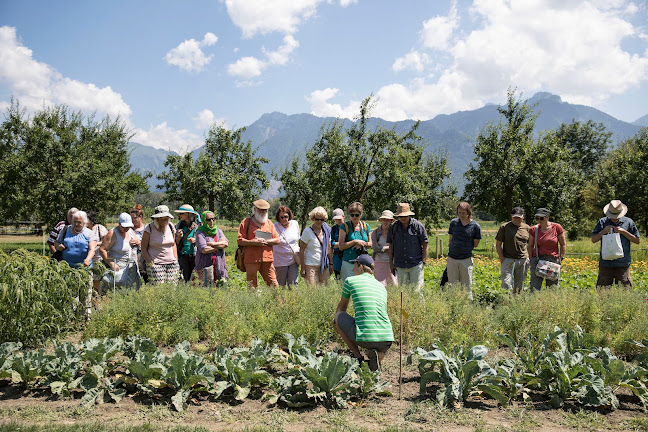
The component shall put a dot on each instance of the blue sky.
(170, 69)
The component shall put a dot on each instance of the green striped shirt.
(370, 303)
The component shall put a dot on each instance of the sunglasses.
(320, 220)
(210, 219)
(540, 217)
(284, 217)
(354, 214)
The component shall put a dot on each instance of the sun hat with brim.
(615, 209)
(125, 220)
(338, 213)
(162, 211)
(261, 204)
(186, 208)
(542, 212)
(387, 214)
(403, 209)
(364, 259)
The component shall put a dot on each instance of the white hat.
(125, 220)
(162, 211)
(387, 214)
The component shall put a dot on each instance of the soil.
(409, 412)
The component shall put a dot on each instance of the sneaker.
(374, 363)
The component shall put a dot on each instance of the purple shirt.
(217, 259)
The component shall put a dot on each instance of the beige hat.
(261, 204)
(338, 213)
(404, 210)
(162, 211)
(387, 214)
(615, 209)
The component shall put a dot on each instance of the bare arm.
(92, 245)
(145, 242)
(425, 252)
(500, 251)
(302, 246)
(562, 245)
(106, 245)
(342, 306)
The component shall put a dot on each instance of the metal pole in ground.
(400, 367)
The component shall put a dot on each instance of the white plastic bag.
(611, 248)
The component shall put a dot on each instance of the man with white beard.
(257, 234)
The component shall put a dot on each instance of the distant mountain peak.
(546, 97)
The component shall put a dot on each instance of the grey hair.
(73, 210)
(83, 215)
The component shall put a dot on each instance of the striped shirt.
(370, 303)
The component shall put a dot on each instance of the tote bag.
(611, 248)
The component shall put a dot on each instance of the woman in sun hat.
(338, 218)
(382, 270)
(210, 250)
(159, 247)
(186, 239)
(119, 252)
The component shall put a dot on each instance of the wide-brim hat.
(403, 209)
(615, 209)
(261, 204)
(387, 214)
(186, 208)
(162, 211)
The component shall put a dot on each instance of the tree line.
(58, 158)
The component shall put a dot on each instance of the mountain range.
(279, 136)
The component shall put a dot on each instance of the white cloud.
(345, 3)
(413, 60)
(247, 67)
(35, 84)
(164, 137)
(206, 118)
(437, 31)
(320, 106)
(574, 49)
(282, 55)
(264, 16)
(189, 55)
(251, 67)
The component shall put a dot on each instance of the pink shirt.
(160, 246)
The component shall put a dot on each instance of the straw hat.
(387, 214)
(404, 210)
(615, 209)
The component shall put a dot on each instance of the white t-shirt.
(313, 251)
(288, 237)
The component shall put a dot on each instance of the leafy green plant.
(7, 351)
(29, 368)
(460, 371)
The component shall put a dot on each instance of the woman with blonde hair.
(314, 248)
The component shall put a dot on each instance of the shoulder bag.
(239, 256)
(545, 269)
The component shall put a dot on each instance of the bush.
(39, 297)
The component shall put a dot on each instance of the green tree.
(227, 175)
(623, 175)
(58, 159)
(503, 154)
(376, 166)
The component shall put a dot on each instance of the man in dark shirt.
(615, 221)
(511, 243)
(408, 248)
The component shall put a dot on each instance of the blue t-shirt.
(463, 237)
(627, 224)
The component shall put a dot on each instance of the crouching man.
(371, 328)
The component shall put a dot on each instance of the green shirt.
(370, 303)
(515, 240)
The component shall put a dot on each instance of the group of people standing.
(281, 252)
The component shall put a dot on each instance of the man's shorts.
(347, 324)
